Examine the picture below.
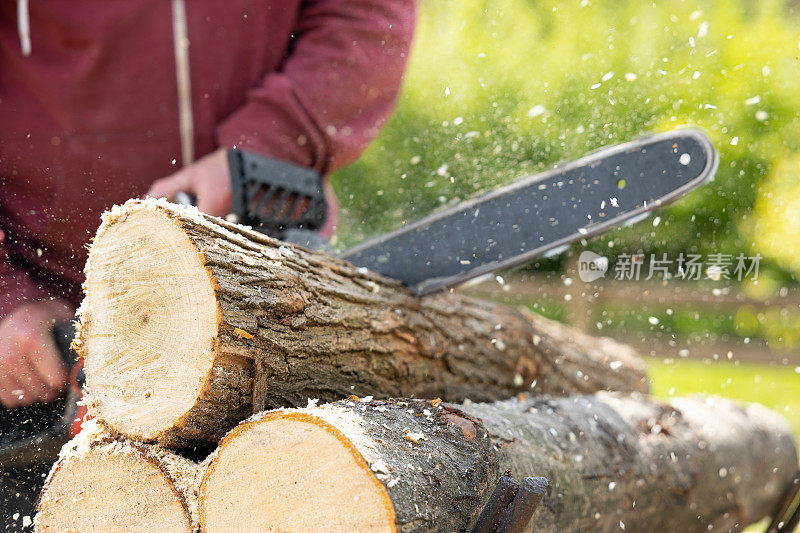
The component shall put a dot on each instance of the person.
(104, 101)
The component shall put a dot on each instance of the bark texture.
(614, 462)
(435, 463)
(102, 483)
(313, 326)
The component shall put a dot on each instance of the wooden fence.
(584, 301)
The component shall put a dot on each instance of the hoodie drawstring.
(181, 45)
(24, 27)
(181, 41)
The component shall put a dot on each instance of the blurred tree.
(776, 227)
(497, 89)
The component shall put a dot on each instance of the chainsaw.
(534, 216)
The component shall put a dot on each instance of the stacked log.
(635, 463)
(191, 325)
(614, 462)
(102, 483)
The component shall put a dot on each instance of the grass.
(776, 387)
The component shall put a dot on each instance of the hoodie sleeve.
(336, 88)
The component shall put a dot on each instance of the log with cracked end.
(105, 484)
(613, 462)
(191, 323)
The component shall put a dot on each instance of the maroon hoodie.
(89, 106)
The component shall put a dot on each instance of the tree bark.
(352, 466)
(191, 322)
(100, 483)
(693, 465)
(614, 463)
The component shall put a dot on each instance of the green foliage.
(497, 89)
(777, 214)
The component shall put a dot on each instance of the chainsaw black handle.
(273, 196)
(277, 198)
(63, 334)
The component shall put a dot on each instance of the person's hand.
(209, 179)
(31, 368)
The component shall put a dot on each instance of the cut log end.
(310, 478)
(149, 326)
(105, 490)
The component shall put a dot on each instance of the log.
(191, 323)
(613, 462)
(350, 466)
(106, 484)
(691, 465)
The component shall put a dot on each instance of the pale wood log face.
(109, 492)
(149, 324)
(292, 472)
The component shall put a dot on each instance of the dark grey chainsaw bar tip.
(538, 214)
